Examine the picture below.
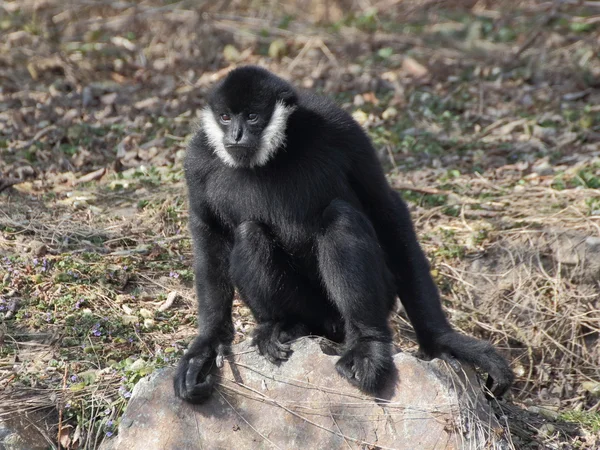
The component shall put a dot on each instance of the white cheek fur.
(215, 136)
(273, 136)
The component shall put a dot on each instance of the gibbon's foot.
(193, 381)
(367, 365)
(453, 347)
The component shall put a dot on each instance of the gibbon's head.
(246, 117)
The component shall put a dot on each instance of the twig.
(534, 35)
(339, 430)
(301, 54)
(300, 416)
(60, 411)
(36, 137)
(248, 423)
(95, 175)
(391, 155)
(166, 288)
(422, 190)
(327, 52)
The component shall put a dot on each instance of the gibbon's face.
(245, 121)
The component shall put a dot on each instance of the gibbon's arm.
(215, 298)
(415, 285)
(211, 270)
(391, 220)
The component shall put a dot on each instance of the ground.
(485, 114)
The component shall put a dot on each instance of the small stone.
(137, 365)
(87, 96)
(146, 314)
(109, 99)
(230, 53)
(160, 64)
(129, 320)
(38, 249)
(277, 49)
(543, 168)
(547, 429)
(389, 113)
(593, 387)
(527, 100)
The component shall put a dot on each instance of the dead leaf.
(64, 436)
(123, 42)
(370, 97)
(168, 302)
(118, 77)
(147, 103)
(414, 68)
(95, 175)
(76, 437)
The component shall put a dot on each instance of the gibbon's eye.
(252, 117)
(225, 117)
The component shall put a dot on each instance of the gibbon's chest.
(289, 203)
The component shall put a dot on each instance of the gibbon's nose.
(236, 137)
(238, 133)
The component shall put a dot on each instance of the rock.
(543, 167)
(17, 432)
(230, 53)
(38, 249)
(580, 251)
(278, 49)
(87, 97)
(389, 113)
(304, 404)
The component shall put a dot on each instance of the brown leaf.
(95, 175)
(64, 437)
(370, 97)
(414, 68)
(118, 77)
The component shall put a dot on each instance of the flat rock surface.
(304, 404)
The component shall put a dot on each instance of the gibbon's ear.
(288, 96)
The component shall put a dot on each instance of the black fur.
(314, 240)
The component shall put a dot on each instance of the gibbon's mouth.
(236, 147)
(243, 155)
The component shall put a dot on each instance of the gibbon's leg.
(283, 303)
(354, 271)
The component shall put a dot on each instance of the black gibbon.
(289, 204)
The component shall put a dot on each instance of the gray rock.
(22, 431)
(38, 249)
(580, 251)
(304, 404)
